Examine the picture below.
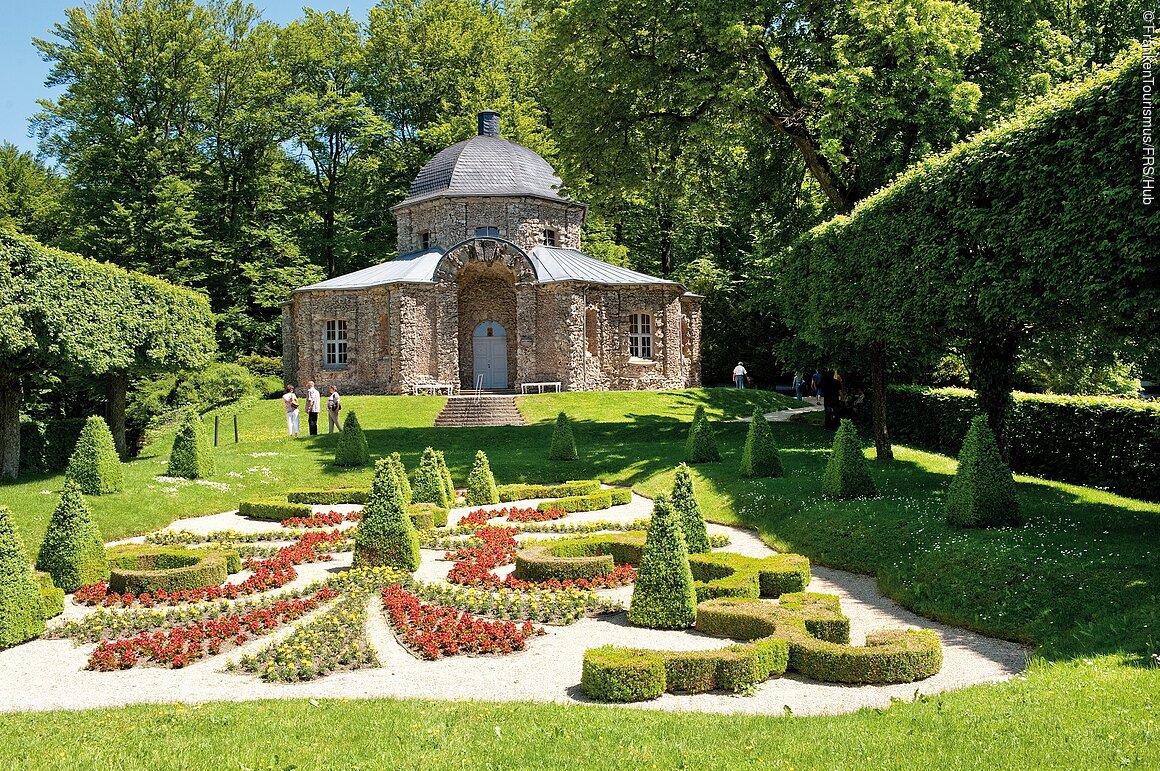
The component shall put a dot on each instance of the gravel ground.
(50, 674)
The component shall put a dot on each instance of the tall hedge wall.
(1087, 440)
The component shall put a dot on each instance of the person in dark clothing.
(830, 389)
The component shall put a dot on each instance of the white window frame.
(334, 348)
(640, 336)
(548, 237)
(487, 231)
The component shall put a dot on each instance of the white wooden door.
(489, 355)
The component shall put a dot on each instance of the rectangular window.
(640, 336)
(549, 238)
(335, 343)
(487, 232)
(425, 240)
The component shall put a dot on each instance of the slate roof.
(550, 263)
(485, 165)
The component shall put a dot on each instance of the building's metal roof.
(485, 165)
(550, 263)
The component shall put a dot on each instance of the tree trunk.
(10, 393)
(116, 394)
(882, 447)
(991, 359)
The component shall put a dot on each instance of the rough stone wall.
(520, 220)
(486, 293)
(367, 370)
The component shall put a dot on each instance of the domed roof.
(486, 164)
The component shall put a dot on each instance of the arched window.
(640, 339)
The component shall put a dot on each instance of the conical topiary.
(352, 449)
(21, 607)
(684, 502)
(982, 494)
(401, 480)
(759, 458)
(192, 455)
(94, 464)
(386, 536)
(663, 596)
(430, 486)
(846, 473)
(72, 551)
(446, 474)
(701, 446)
(480, 483)
(563, 442)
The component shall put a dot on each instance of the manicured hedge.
(141, 568)
(73, 551)
(51, 597)
(352, 449)
(522, 492)
(846, 475)
(1096, 441)
(724, 574)
(573, 558)
(663, 596)
(982, 494)
(481, 490)
(425, 516)
(31, 447)
(386, 536)
(192, 455)
(594, 502)
(94, 464)
(563, 445)
(759, 457)
(622, 674)
(701, 444)
(21, 607)
(430, 486)
(273, 509)
(684, 499)
(335, 497)
(60, 439)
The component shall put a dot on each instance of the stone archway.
(486, 294)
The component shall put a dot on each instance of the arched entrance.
(489, 355)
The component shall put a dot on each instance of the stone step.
(488, 410)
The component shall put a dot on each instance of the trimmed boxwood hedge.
(593, 502)
(21, 607)
(663, 596)
(386, 536)
(982, 494)
(481, 490)
(328, 497)
(192, 453)
(94, 464)
(60, 439)
(522, 492)
(759, 457)
(1085, 440)
(846, 475)
(724, 574)
(622, 674)
(138, 568)
(73, 551)
(273, 509)
(51, 597)
(573, 558)
(688, 512)
(425, 516)
(701, 444)
(352, 449)
(563, 445)
(430, 486)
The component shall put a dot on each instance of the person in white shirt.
(313, 406)
(739, 374)
(291, 403)
(333, 405)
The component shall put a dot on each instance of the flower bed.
(432, 631)
(533, 515)
(327, 519)
(560, 606)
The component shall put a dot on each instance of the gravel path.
(49, 674)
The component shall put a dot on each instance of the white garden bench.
(434, 388)
(524, 387)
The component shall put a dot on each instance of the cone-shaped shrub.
(759, 458)
(386, 537)
(445, 472)
(21, 608)
(701, 446)
(664, 596)
(352, 449)
(401, 480)
(430, 486)
(94, 464)
(563, 442)
(192, 455)
(480, 483)
(982, 494)
(684, 502)
(72, 551)
(846, 473)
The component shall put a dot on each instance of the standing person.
(831, 388)
(799, 383)
(817, 386)
(291, 403)
(739, 374)
(313, 406)
(333, 405)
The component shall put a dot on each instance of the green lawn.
(1079, 581)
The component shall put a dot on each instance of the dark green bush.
(352, 449)
(563, 442)
(724, 574)
(51, 597)
(446, 474)
(688, 512)
(480, 483)
(701, 445)
(401, 480)
(523, 492)
(386, 536)
(578, 503)
(622, 674)
(94, 464)
(619, 496)
(846, 474)
(759, 458)
(21, 606)
(192, 454)
(583, 557)
(329, 497)
(982, 494)
(427, 515)
(73, 551)
(663, 596)
(60, 439)
(31, 447)
(430, 486)
(273, 509)
(137, 568)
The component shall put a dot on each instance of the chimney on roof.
(489, 123)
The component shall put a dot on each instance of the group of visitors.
(313, 408)
(840, 397)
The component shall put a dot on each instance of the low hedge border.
(51, 597)
(575, 558)
(328, 497)
(733, 575)
(523, 492)
(427, 516)
(142, 568)
(592, 502)
(273, 509)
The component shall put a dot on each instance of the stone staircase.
(482, 410)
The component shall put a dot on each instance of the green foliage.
(72, 551)
(51, 597)
(425, 516)
(575, 558)
(21, 607)
(982, 494)
(760, 458)
(724, 574)
(329, 497)
(60, 439)
(593, 502)
(846, 474)
(352, 449)
(663, 596)
(273, 509)
(430, 486)
(701, 445)
(481, 489)
(622, 674)
(445, 472)
(563, 442)
(31, 446)
(223, 383)
(386, 536)
(401, 480)
(1085, 440)
(138, 568)
(94, 464)
(523, 492)
(192, 456)
(684, 501)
